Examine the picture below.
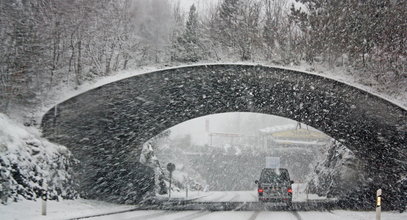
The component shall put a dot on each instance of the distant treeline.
(45, 44)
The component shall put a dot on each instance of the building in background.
(292, 136)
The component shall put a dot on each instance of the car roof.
(281, 169)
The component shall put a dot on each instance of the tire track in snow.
(194, 215)
(154, 215)
(295, 213)
(118, 213)
(234, 198)
(216, 199)
(254, 196)
(254, 215)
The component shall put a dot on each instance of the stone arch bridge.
(106, 127)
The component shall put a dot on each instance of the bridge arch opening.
(220, 156)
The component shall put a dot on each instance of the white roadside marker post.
(378, 204)
(44, 198)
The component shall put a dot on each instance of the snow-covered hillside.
(340, 174)
(27, 160)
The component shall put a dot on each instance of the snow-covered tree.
(236, 27)
(187, 45)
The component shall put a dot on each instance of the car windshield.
(274, 176)
(186, 109)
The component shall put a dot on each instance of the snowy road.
(299, 195)
(256, 215)
(83, 209)
(228, 196)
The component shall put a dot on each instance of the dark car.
(275, 186)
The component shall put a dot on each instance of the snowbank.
(336, 174)
(342, 175)
(27, 160)
(67, 209)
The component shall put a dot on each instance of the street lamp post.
(170, 168)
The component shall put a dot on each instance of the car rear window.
(274, 176)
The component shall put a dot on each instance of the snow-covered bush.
(27, 161)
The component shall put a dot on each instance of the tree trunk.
(109, 59)
(116, 62)
(71, 59)
(55, 55)
(79, 64)
(126, 60)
